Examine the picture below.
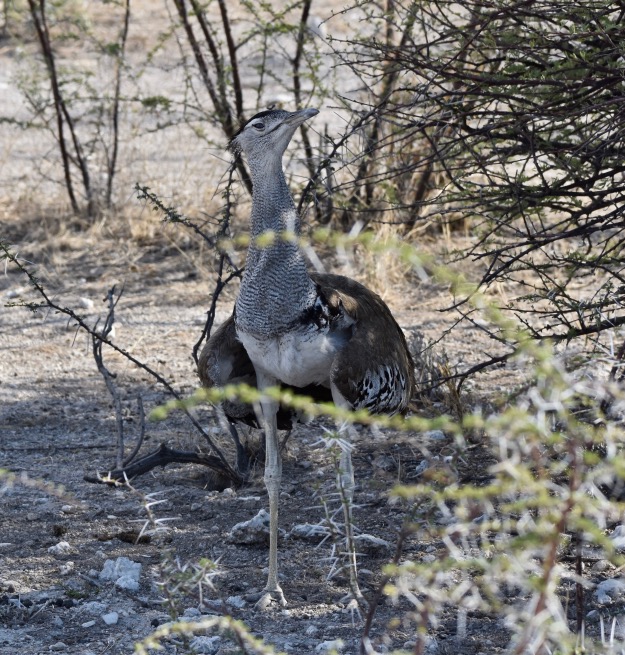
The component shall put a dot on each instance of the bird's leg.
(273, 475)
(242, 461)
(346, 485)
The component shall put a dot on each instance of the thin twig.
(106, 374)
(365, 643)
(119, 63)
(141, 437)
(81, 323)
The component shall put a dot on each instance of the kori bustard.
(324, 334)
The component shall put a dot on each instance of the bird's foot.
(270, 597)
(356, 603)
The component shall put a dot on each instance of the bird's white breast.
(297, 358)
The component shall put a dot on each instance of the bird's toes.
(356, 604)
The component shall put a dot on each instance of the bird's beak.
(298, 117)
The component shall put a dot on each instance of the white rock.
(618, 537)
(327, 646)
(192, 613)
(310, 531)
(435, 435)
(256, 530)
(86, 303)
(609, 590)
(593, 616)
(369, 543)
(431, 646)
(123, 572)
(66, 568)
(235, 601)
(128, 582)
(111, 618)
(601, 565)
(62, 548)
(208, 645)
(88, 624)
(15, 293)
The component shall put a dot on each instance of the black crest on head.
(232, 145)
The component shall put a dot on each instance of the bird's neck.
(276, 288)
(273, 208)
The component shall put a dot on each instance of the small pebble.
(206, 644)
(16, 293)
(256, 530)
(123, 571)
(609, 590)
(601, 566)
(66, 568)
(328, 646)
(111, 618)
(86, 303)
(236, 601)
(58, 646)
(88, 624)
(62, 548)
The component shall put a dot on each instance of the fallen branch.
(161, 457)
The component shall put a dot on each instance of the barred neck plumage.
(276, 288)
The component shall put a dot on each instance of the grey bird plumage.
(325, 335)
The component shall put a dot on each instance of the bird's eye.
(259, 126)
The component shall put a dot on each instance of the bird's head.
(268, 133)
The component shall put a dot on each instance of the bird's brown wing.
(224, 360)
(374, 370)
